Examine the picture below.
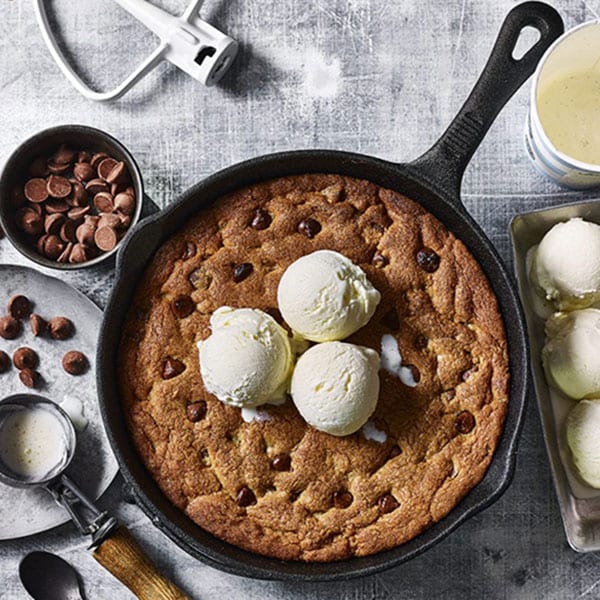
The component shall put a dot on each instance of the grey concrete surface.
(373, 76)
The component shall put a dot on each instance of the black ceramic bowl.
(14, 175)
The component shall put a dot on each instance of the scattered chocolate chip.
(85, 234)
(58, 187)
(428, 260)
(465, 422)
(78, 196)
(172, 367)
(106, 238)
(67, 231)
(65, 255)
(103, 201)
(97, 159)
(379, 260)
(4, 362)
(57, 168)
(342, 499)
(117, 173)
(60, 328)
(79, 254)
(281, 462)
(245, 497)
(241, 271)
(19, 307)
(387, 503)
(25, 358)
(56, 206)
(78, 213)
(75, 362)
(29, 221)
(394, 451)
(53, 247)
(105, 166)
(53, 223)
(35, 190)
(309, 227)
(261, 219)
(84, 156)
(183, 306)
(10, 328)
(29, 377)
(196, 411)
(391, 320)
(83, 171)
(125, 203)
(63, 155)
(95, 186)
(190, 251)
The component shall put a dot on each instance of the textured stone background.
(377, 77)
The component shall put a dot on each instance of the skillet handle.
(444, 164)
(121, 555)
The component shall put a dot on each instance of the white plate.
(25, 512)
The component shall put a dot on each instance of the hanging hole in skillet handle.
(444, 164)
(528, 37)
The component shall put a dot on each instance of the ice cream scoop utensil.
(28, 460)
(187, 41)
(46, 576)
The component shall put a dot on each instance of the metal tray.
(579, 503)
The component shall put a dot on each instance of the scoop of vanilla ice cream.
(566, 265)
(324, 296)
(247, 360)
(335, 386)
(571, 355)
(583, 425)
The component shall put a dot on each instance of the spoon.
(46, 576)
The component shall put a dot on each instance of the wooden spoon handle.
(121, 555)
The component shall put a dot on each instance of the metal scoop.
(24, 464)
(187, 41)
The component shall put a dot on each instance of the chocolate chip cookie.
(276, 486)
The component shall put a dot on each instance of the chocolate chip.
(53, 247)
(83, 171)
(172, 367)
(109, 220)
(281, 462)
(394, 451)
(56, 206)
(60, 328)
(391, 320)
(428, 260)
(63, 155)
(79, 254)
(75, 362)
(190, 251)
(103, 201)
(125, 203)
(241, 271)
(105, 166)
(67, 231)
(196, 411)
(29, 377)
(25, 358)
(421, 342)
(379, 260)
(261, 219)
(468, 374)
(449, 395)
(29, 221)
(309, 227)
(76, 214)
(387, 503)
(10, 328)
(465, 422)
(65, 255)
(106, 238)
(35, 190)
(117, 173)
(4, 362)
(84, 156)
(342, 499)
(40, 244)
(183, 306)
(245, 497)
(78, 195)
(53, 223)
(85, 234)
(57, 168)
(58, 187)
(95, 186)
(97, 159)
(19, 307)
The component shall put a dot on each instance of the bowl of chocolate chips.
(69, 195)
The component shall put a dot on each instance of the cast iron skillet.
(434, 181)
